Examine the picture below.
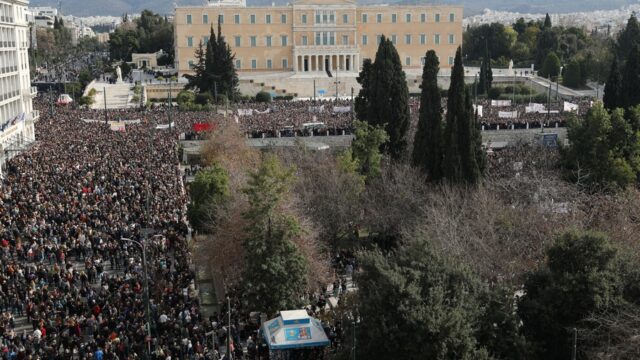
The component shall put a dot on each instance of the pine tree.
(612, 89)
(196, 81)
(215, 72)
(580, 278)
(631, 79)
(427, 145)
(388, 102)
(439, 310)
(463, 161)
(362, 100)
(275, 276)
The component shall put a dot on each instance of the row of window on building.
(285, 63)
(327, 17)
(329, 38)
(6, 13)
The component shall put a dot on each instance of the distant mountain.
(119, 7)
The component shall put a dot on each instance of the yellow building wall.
(355, 28)
(415, 50)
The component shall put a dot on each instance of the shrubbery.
(263, 96)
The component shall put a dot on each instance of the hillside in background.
(119, 7)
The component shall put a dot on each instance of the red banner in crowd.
(200, 127)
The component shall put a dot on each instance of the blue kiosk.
(294, 329)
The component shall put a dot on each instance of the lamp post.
(146, 290)
(229, 329)
(170, 105)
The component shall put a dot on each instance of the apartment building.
(16, 110)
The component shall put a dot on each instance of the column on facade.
(295, 63)
(330, 62)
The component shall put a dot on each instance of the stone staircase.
(252, 87)
(118, 96)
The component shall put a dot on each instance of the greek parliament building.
(16, 110)
(317, 36)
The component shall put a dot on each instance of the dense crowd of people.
(326, 117)
(69, 204)
(65, 206)
(72, 284)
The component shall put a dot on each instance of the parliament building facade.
(317, 36)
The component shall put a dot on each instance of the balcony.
(34, 115)
(326, 49)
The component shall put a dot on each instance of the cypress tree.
(486, 74)
(547, 22)
(547, 42)
(463, 161)
(478, 156)
(628, 38)
(389, 96)
(631, 79)
(612, 89)
(362, 100)
(210, 64)
(228, 84)
(427, 145)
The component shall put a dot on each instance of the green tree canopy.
(388, 99)
(416, 304)
(147, 34)
(572, 76)
(496, 36)
(547, 42)
(366, 148)
(551, 66)
(631, 79)
(427, 145)
(547, 22)
(579, 278)
(628, 38)
(275, 277)
(604, 149)
(209, 193)
(486, 74)
(463, 157)
(362, 100)
(215, 71)
(613, 87)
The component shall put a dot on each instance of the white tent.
(294, 329)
